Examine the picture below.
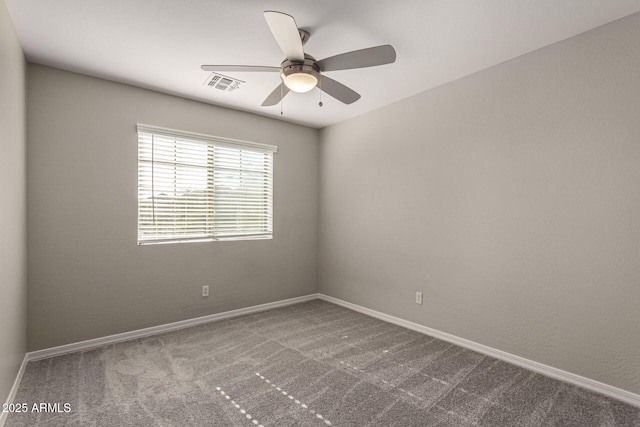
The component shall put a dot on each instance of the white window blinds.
(195, 187)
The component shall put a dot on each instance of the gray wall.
(87, 276)
(510, 198)
(13, 205)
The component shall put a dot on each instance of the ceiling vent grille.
(222, 82)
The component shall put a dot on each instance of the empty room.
(296, 213)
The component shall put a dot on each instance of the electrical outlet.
(205, 291)
(419, 298)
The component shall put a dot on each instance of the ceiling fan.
(300, 72)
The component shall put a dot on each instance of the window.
(195, 187)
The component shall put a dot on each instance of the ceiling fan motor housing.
(300, 76)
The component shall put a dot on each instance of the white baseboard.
(14, 390)
(549, 371)
(160, 329)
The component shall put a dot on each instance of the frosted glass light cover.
(300, 82)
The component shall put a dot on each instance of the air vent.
(222, 82)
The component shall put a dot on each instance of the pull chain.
(281, 97)
(320, 87)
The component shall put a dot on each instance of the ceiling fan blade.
(369, 57)
(285, 31)
(276, 96)
(338, 90)
(239, 68)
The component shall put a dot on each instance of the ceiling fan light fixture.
(300, 82)
(300, 77)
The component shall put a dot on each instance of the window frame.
(212, 168)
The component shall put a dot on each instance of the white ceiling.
(160, 44)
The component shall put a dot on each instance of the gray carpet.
(311, 364)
